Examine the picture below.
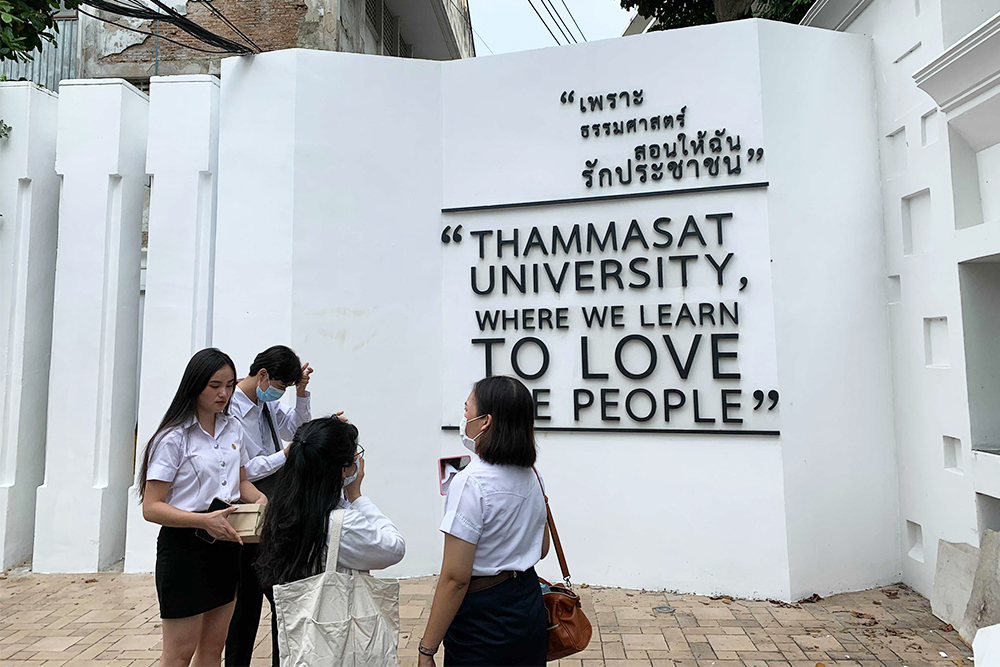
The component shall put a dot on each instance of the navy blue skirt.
(503, 626)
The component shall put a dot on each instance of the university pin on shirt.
(198, 466)
(266, 456)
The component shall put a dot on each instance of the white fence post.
(101, 155)
(182, 158)
(29, 205)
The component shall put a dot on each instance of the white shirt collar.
(241, 403)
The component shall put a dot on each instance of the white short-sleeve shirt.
(500, 509)
(198, 466)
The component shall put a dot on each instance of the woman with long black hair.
(323, 473)
(488, 607)
(194, 460)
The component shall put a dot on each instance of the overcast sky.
(511, 25)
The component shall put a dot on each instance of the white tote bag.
(338, 619)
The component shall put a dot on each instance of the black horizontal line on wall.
(677, 431)
(625, 195)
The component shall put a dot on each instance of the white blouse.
(500, 509)
(199, 467)
(368, 540)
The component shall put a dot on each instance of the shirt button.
(216, 445)
(223, 482)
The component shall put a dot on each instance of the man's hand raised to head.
(300, 388)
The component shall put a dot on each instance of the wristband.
(423, 650)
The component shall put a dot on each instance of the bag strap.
(333, 543)
(270, 425)
(553, 532)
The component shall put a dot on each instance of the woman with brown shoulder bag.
(488, 607)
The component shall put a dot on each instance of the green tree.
(25, 24)
(684, 13)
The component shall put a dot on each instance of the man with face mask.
(256, 404)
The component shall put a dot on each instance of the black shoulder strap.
(270, 425)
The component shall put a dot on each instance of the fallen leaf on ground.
(877, 602)
(947, 627)
(860, 614)
(90, 581)
(892, 595)
(783, 605)
(811, 599)
(725, 599)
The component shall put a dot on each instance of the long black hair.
(297, 521)
(199, 371)
(510, 439)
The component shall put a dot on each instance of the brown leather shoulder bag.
(569, 628)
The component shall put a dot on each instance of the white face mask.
(470, 443)
(357, 469)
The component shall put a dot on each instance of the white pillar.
(29, 206)
(182, 158)
(101, 155)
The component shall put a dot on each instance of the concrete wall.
(101, 155)
(312, 252)
(358, 282)
(934, 199)
(29, 201)
(832, 333)
(182, 159)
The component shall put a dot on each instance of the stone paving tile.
(111, 620)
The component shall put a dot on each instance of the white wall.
(327, 241)
(29, 201)
(930, 400)
(182, 158)
(100, 154)
(824, 208)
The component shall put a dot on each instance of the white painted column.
(29, 213)
(182, 158)
(101, 155)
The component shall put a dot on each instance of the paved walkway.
(111, 619)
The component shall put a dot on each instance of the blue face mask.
(272, 394)
(357, 469)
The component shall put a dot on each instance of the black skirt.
(192, 575)
(502, 626)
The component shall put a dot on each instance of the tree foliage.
(683, 13)
(26, 24)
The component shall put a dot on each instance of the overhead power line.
(574, 20)
(155, 10)
(545, 24)
(563, 22)
(554, 19)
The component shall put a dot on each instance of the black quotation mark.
(755, 154)
(447, 236)
(567, 97)
(759, 397)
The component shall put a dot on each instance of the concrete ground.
(111, 619)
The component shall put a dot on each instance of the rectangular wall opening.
(916, 209)
(915, 541)
(929, 128)
(965, 182)
(953, 455)
(894, 291)
(936, 354)
(979, 288)
(988, 513)
(988, 165)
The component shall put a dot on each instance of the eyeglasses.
(361, 453)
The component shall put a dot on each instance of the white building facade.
(754, 296)
(938, 111)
